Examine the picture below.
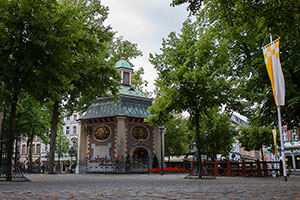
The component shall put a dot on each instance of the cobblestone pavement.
(79, 186)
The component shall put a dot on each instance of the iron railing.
(118, 166)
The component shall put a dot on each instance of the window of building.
(75, 117)
(74, 130)
(68, 118)
(33, 149)
(126, 78)
(67, 130)
(38, 149)
(23, 149)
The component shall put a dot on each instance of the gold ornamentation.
(140, 133)
(102, 133)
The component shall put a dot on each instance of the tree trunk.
(10, 138)
(198, 143)
(16, 150)
(54, 121)
(262, 154)
(30, 153)
(2, 132)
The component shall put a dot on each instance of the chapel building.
(113, 130)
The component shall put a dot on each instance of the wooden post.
(216, 172)
(228, 168)
(258, 168)
(281, 167)
(265, 169)
(243, 168)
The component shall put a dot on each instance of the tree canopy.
(55, 51)
(176, 136)
(193, 75)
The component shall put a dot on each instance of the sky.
(145, 22)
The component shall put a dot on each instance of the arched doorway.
(140, 160)
(140, 153)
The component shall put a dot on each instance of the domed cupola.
(125, 70)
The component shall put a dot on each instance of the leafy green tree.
(62, 145)
(194, 5)
(138, 82)
(257, 135)
(86, 73)
(57, 51)
(247, 27)
(121, 48)
(124, 49)
(32, 120)
(155, 162)
(220, 132)
(176, 137)
(193, 75)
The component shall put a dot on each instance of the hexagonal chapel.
(112, 132)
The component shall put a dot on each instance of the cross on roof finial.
(122, 51)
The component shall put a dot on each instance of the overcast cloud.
(145, 22)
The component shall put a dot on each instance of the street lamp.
(161, 131)
(72, 152)
(206, 138)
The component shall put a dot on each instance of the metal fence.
(118, 166)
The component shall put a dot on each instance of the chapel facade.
(111, 130)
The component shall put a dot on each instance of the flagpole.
(282, 144)
(281, 136)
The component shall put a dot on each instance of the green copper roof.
(132, 103)
(130, 91)
(123, 63)
(126, 106)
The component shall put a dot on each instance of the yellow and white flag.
(271, 55)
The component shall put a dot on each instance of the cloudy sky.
(145, 22)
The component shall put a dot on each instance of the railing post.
(258, 168)
(265, 169)
(228, 168)
(216, 173)
(243, 168)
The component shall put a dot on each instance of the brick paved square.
(154, 186)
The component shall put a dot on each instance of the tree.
(192, 75)
(176, 137)
(220, 132)
(62, 146)
(87, 73)
(32, 120)
(57, 51)
(256, 135)
(247, 26)
(120, 48)
(124, 49)
(194, 5)
(138, 82)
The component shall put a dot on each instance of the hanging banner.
(271, 55)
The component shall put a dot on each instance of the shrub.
(155, 162)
